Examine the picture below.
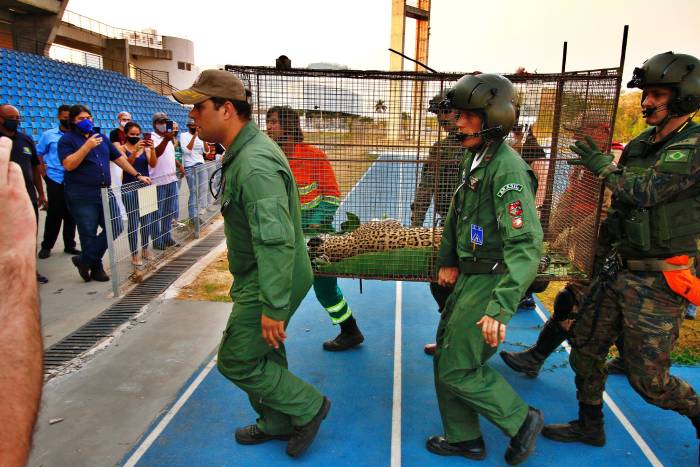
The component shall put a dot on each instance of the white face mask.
(161, 127)
(122, 123)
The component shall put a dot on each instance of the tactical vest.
(669, 228)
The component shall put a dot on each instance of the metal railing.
(147, 224)
(138, 38)
(151, 80)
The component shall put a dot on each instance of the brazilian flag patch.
(676, 156)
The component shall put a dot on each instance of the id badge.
(477, 235)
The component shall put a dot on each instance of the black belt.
(482, 267)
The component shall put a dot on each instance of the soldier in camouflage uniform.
(654, 216)
(439, 176)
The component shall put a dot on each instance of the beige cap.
(212, 83)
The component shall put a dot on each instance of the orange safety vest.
(314, 176)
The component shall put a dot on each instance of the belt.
(655, 264)
(482, 267)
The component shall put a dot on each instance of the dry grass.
(687, 350)
(212, 284)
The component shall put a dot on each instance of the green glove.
(591, 156)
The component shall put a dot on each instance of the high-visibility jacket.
(319, 193)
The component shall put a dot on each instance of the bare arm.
(163, 144)
(20, 333)
(128, 168)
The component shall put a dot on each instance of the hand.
(447, 276)
(182, 171)
(147, 143)
(493, 330)
(591, 156)
(93, 141)
(42, 202)
(17, 215)
(170, 135)
(143, 179)
(140, 145)
(272, 331)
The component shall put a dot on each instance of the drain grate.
(103, 325)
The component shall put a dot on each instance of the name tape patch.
(509, 187)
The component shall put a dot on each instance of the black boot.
(473, 449)
(251, 434)
(587, 429)
(303, 436)
(349, 337)
(523, 443)
(530, 361)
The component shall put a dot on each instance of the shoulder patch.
(509, 187)
(27, 150)
(676, 156)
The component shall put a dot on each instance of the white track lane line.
(136, 456)
(396, 406)
(646, 450)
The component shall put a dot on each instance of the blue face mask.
(84, 125)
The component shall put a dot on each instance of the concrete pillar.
(116, 56)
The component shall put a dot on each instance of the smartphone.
(169, 126)
(146, 136)
(96, 130)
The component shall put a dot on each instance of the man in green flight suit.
(490, 251)
(267, 256)
(653, 225)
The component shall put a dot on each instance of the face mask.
(122, 123)
(192, 130)
(84, 125)
(133, 139)
(11, 125)
(65, 123)
(161, 127)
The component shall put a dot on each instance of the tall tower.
(400, 10)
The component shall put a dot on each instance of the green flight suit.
(268, 259)
(494, 235)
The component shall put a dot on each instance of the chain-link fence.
(148, 223)
(376, 169)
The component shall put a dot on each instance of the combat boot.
(530, 361)
(587, 429)
(350, 336)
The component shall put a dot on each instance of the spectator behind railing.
(193, 160)
(165, 178)
(141, 155)
(86, 156)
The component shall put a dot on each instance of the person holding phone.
(85, 155)
(140, 154)
(164, 175)
(193, 160)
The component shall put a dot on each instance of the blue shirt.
(140, 164)
(92, 174)
(48, 149)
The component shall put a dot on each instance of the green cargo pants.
(280, 398)
(465, 386)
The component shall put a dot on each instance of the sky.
(465, 35)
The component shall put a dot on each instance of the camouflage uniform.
(444, 163)
(655, 214)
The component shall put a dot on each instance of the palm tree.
(380, 106)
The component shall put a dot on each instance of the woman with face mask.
(140, 154)
(85, 154)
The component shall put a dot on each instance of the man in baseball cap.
(262, 218)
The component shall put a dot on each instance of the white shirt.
(165, 170)
(196, 155)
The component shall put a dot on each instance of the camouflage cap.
(212, 83)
